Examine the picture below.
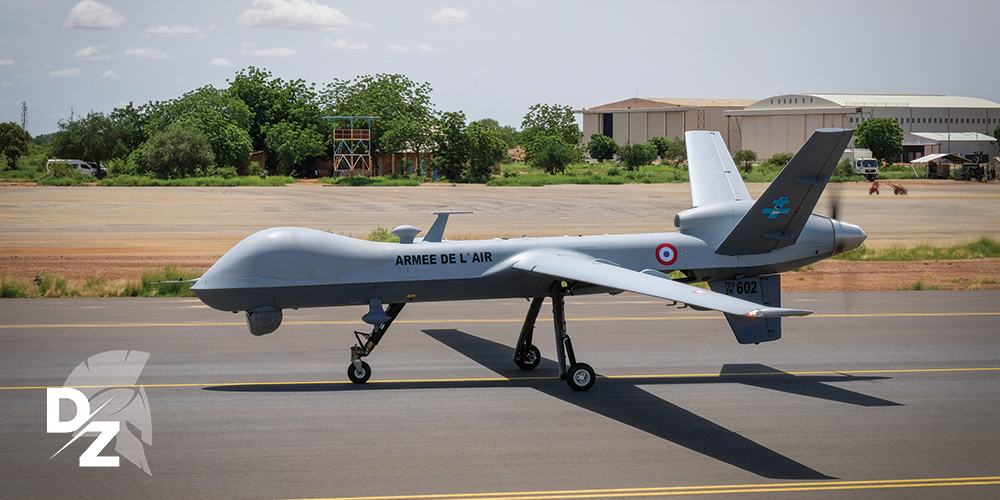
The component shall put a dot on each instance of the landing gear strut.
(359, 372)
(579, 376)
(526, 355)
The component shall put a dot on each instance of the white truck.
(864, 163)
(84, 167)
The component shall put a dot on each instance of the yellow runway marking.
(479, 320)
(515, 379)
(699, 490)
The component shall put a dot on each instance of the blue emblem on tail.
(779, 208)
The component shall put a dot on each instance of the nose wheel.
(359, 374)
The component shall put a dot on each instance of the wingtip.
(777, 312)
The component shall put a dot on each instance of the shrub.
(602, 147)
(255, 169)
(382, 234)
(636, 155)
(178, 151)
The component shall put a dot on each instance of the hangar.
(639, 119)
(780, 124)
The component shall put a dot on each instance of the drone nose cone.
(846, 237)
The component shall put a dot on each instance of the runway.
(875, 395)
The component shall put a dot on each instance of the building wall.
(591, 126)
(640, 126)
(768, 135)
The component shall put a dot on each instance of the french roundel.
(666, 254)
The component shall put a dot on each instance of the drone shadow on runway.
(623, 400)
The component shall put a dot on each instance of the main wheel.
(580, 377)
(359, 376)
(528, 359)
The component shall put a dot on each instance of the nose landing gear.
(359, 372)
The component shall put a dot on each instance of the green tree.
(95, 137)
(223, 119)
(677, 150)
(669, 149)
(881, 135)
(546, 120)
(273, 101)
(662, 144)
(636, 155)
(292, 144)
(452, 145)
(178, 151)
(746, 157)
(404, 109)
(14, 142)
(131, 124)
(551, 153)
(996, 133)
(486, 148)
(602, 147)
(507, 133)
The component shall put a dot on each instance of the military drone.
(735, 244)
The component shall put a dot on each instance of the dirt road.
(116, 233)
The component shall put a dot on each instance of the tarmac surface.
(876, 395)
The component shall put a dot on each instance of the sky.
(491, 58)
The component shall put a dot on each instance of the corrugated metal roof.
(912, 101)
(871, 101)
(940, 156)
(656, 103)
(955, 136)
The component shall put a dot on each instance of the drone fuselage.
(287, 268)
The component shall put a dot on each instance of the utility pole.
(24, 115)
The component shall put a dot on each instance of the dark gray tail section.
(778, 216)
(763, 290)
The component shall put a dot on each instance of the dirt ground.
(117, 233)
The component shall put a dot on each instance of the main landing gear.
(359, 372)
(579, 376)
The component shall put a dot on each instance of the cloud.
(93, 15)
(176, 29)
(66, 73)
(273, 52)
(6, 62)
(145, 53)
(293, 15)
(426, 47)
(222, 63)
(91, 53)
(109, 75)
(343, 45)
(397, 48)
(449, 15)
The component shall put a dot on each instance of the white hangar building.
(946, 124)
(780, 124)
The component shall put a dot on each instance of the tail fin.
(713, 174)
(778, 216)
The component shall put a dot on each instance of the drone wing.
(577, 267)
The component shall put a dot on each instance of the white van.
(84, 167)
